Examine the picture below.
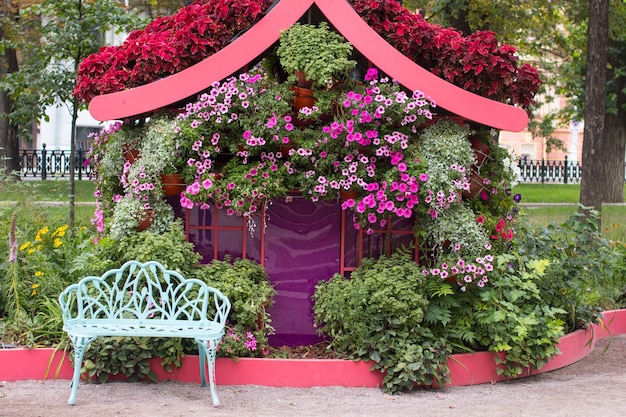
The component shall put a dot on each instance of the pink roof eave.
(251, 44)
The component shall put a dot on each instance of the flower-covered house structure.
(365, 168)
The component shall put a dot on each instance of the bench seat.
(146, 328)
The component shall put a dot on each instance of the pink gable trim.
(262, 35)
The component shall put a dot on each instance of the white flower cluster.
(511, 165)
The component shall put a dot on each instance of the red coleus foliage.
(170, 44)
(166, 46)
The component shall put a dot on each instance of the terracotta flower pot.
(302, 97)
(284, 150)
(451, 279)
(131, 155)
(348, 194)
(146, 220)
(303, 81)
(172, 184)
(481, 151)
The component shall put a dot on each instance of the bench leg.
(202, 356)
(207, 352)
(80, 344)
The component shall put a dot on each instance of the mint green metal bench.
(144, 300)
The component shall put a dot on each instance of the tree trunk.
(596, 175)
(72, 215)
(458, 13)
(612, 155)
(10, 139)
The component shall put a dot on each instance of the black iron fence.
(543, 171)
(44, 164)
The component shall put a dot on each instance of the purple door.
(302, 246)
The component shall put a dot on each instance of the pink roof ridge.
(266, 32)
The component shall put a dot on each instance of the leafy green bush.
(170, 248)
(587, 273)
(510, 316)
(248, 288)
(378, 314)
(130, 356)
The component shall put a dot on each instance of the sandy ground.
(594, 386)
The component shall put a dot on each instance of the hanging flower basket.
(172, 184)
(303, 97)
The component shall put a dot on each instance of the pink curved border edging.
(466, 369)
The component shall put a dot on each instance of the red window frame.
(347, 244)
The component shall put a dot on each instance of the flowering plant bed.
(466, 369)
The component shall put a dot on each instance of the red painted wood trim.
(262, 35)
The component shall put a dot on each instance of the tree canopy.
(554, 36)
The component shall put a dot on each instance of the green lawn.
(551, 193)
(49, 190)
(27, 196)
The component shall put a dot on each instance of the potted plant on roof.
(314, 56)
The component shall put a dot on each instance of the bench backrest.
(145, 291)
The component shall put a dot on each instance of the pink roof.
(266, 32)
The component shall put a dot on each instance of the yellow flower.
(38, 274)
(30, 251)
(24, 245)
(61, 230)
(34, 287)
(57, 242)
(40, 233)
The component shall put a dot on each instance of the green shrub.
(250, 292)
(587, 273)
(378, 315)
(130, 356)
(511, 317)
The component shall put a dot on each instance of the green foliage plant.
(250, 292)
(378, 315)
(511, 318)
(321, 54)
(130, 357)
(586, 274)
(171, 249)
